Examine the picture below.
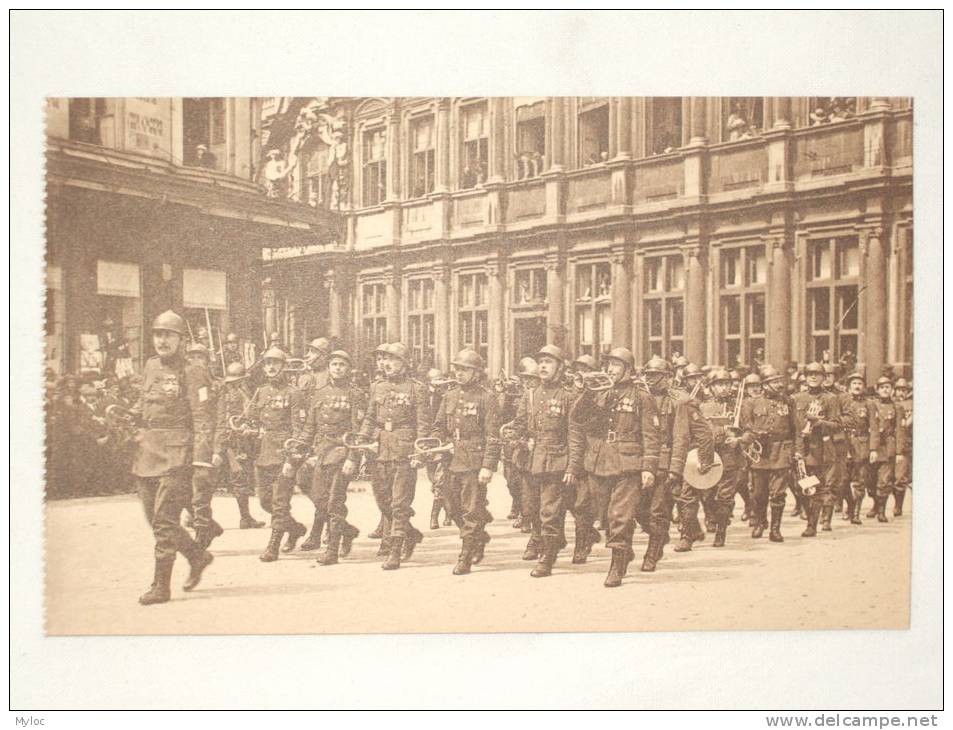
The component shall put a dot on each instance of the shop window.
(594, 135)
(420, 321)
(666, 127)
(475, 155)
(530, 286)
(593, 325)
(203, 132)
(663, 305)
(374, 177)
(423, 156)
(833, 316)
(530, 140)
(111, 331)
(472, 313)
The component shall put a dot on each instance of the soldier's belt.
(612, 437)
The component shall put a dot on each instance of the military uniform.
(335, 409)
(734, 476)
(308, 383)
(888, 420)
(657, 502)
(237, 450)
(818, 450)
(508, 403)
(468, 415)
(859, 417)
(437, 470)
(903, 471)
(769, 419)
(689, 430)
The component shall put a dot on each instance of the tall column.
(875, 305)
(496, 322)
(698, 121)
(442, 324)
(393, 304)
(558, 127)
(393, 155)
(621, 303)
(442, 177)
(269, 303)
(555, 283)
(782, 112)
(778, 351)
(497, 140)
(694, 303)
(624, 127)
(334, 303)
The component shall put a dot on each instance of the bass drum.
(694, 478)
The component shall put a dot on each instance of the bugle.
(595, 380)
(429, 447)
(296, 448)
(296, 365)
(753, 450)
(359, 442)
(120, 422)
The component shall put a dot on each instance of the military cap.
(551, 351)
(341, 354)
(623, 355)
(274, 353)
(234, 371)
(719, 375)
(752, 379)
(855, 376)
(587, 361)
(170, 322)
(381, 349)
(814, 368)
(680, 362)
(692, 371)
(769, 373)
(468, 358)
(901, 383)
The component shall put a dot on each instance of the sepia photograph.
(479, 364)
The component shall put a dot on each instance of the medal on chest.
(169, 385)
(340, 403)
(625, 405)
(782, 409)
(555, 407)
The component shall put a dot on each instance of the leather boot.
(898, 495)
(197, 563)
(757, 527)
(874, 508)
(583, 544)
(465, 560)
(247, 522)
(378, 532)
(882, 509)
(479, 546)
(813, 513)
(532, 551)
(161, 589)
(203, 537)
(721, 527)
(271, 552)
(435, 515)
(848, 506)
(348, 536)
(855, 514)
(296, 532)
(330, 556)
(650, 559)
(775, 534)
(314, 539)
(384, 548)
(411, 540)
(514, 509)
(684, 543)
(616, 568)
(393, 558)
(827, 513)
(518, 522)
(544, 567)
(447, 519)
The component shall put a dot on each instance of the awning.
(204, 289)
(115, 279)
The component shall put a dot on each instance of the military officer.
(335, 409)
(621, 428)
(818, 417)
(903, 395)
(859, 417)
(175, 413)
(397, 414)
(690, 430)
(468, 416)
(883, 457)
(233, 451)
(281, 410)
(769, 418)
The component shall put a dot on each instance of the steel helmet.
(901, 383)
(234, 371)
(720, 375)
(623, 355)
(231, 338)
(884, 380)
(382, 349)
(552, 351)
(858, 376)
(587, 361)
(274, 353)
(170, 322)
(769, 373)
(468, 358)
(196, 348)
(339, 354)
(815, 368)
(680, 362)
(529, 368)
(753, 379)
(398, 350)
(692, 371)
(657, 365)
(321, 344)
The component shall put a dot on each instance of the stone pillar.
(442, 176)
(555, 287)
(621, 299)
(442, 323)
(269, 303)
(879, 103)
(496, 317)
(698, 121)
(332, 281)
(496, 173)
(778, 304)
(558, 134)
(392, 282)
(393, 155)
(782, 112)
(624, 128)
(694, 303)
(874, 304)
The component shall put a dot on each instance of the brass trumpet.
(120, 422)
(429, 447)
(359, 442)
(596, 380)
(753, 450)
(448, 383)
(296, 448)
(296, 365)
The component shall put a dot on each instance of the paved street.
(99, 554)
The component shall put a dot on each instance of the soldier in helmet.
(234, 450)
(903, 396)
(175, 412)
(203, 475)
(589, 499)
(397, 414)
(509, 397)
(381, 494)
(281, 410)
(529, 512)
(621, 427)
(437, 386)
(838, 473)
(818, 418)
(316, 374)
(334, 410)
(231, 350)
(468, 416)
(679, 363)
(883, 456)
(769, 418)
(859, 417)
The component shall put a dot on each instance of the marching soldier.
(203, 476)
(381, 495)
(314, 376)
(508, 392)
(839, 489)
(233, 450)
(859, 416)
(397, 413)
(519, 460)
(175, 413)
(588, 498)
(334, 410)
(468, 416)
(622, 433)
(690, 430)
(818, 417)
(752, 388)
(231, 351)
(281, 410)
(555, 450)
(883, 458)
(437, 467)
(903, 392)
(769, 419)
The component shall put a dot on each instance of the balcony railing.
(469, 208)
(658, 179)
(589, 190)
(738, 166)
(836, 149)
(526, 201)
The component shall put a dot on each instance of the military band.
(614, 445)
